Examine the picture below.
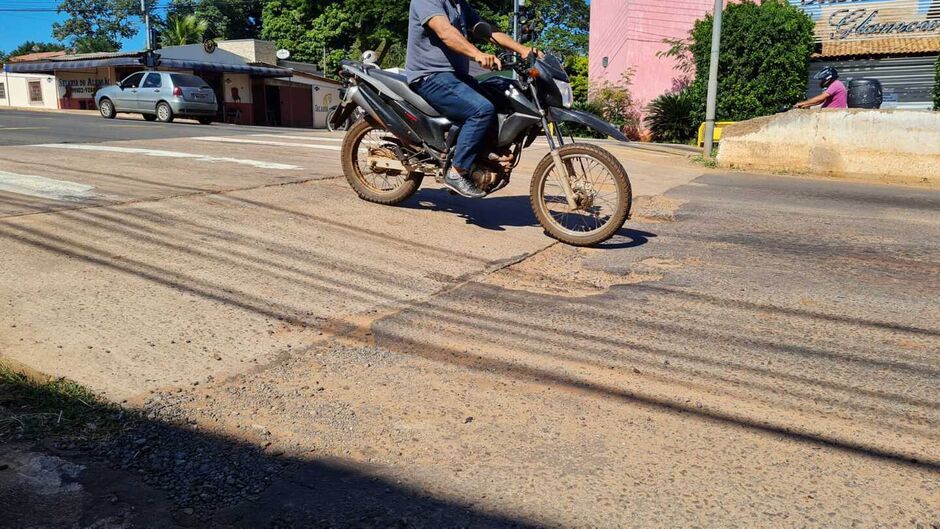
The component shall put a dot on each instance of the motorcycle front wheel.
(366, 153)
(601, 189)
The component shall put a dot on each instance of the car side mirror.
(482, 31)
(119, 85)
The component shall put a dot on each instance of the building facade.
(253, 88)
(895, 41)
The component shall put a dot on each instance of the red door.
(296, 106)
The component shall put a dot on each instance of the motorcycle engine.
(490, 175)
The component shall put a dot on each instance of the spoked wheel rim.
(106, 108)
(163, 112)
(369, 147)
(598, 196)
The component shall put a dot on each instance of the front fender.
(587, 119)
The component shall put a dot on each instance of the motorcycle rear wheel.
(363, 140)
(602, 188)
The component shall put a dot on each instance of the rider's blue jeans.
(457, 98)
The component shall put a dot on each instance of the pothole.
(560, 271)
(655, 208)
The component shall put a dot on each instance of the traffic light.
(150, 59)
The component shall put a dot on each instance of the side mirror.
(119, 85)
(482, 31)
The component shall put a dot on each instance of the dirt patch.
(655, 208)
(560, 270)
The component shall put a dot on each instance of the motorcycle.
(580, 193)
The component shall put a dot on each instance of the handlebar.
(520, 65)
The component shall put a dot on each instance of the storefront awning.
(52, 66)
(257, 71)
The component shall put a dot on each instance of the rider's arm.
(454, 39)
(813, 101)
(507, 42)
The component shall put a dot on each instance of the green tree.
(347, 27)
(97, 25)
(179, 30)
(764, 59)
(31, 46)
(227, 19)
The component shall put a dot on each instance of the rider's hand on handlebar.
(489, 61)
(529, 51)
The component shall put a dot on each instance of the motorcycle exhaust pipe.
(369, 100)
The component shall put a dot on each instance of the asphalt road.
(751, 351)
(19, 127)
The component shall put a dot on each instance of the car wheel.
(106, 107)
(150, 117)
(205, 121)
(164, 112)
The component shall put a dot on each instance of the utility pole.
(515, 18)
(146, 13)
(712, 101)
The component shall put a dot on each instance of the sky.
(18, 27)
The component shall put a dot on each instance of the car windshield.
(188, 81)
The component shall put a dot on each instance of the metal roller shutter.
(909, 79)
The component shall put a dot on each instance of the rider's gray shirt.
(427, 54)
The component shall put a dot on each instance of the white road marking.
(169, 154)
(296, 137)
(42, 187)
(272, 143)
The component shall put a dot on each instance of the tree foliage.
(183, 29)
(97, 25)
(226, 19)
(345, 28)
(764, 59)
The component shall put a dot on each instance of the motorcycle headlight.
(567, 95)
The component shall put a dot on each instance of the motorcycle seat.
(399, 84)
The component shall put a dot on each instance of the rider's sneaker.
(462, 185)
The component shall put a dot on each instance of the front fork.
(562, 170)
(564, 176)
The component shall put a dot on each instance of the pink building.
(627, 34)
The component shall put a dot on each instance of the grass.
(33, 408)
(700, 159)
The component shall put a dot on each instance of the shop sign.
(84, 88)
(845, 20)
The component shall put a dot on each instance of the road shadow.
(492, 213)
(501, 212)
(161, 472)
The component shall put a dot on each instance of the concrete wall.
(17, 90)
(897, 146)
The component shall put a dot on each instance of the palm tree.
(181, 30)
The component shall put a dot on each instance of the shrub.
(614, 102)
(764, 59)
(936, 88)
(669, 118)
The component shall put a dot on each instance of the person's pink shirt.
(838, 96)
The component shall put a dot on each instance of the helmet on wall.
(826, 76)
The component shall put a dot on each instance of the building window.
(3, 91)
(35, 92)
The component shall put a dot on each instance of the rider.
(438, 69)
(834, 93)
